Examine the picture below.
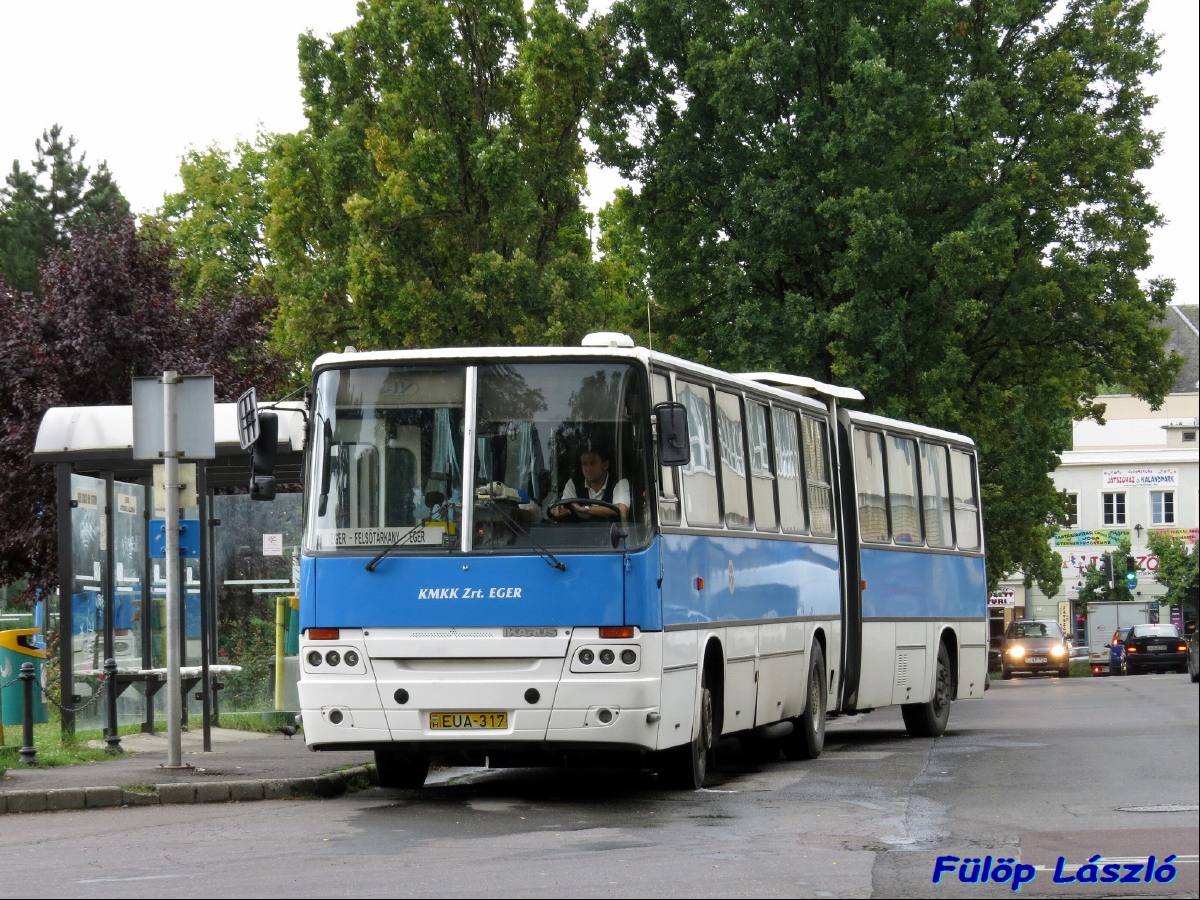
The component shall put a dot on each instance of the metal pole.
(171, 526)
(112, 737)
(66, 589)
(206, 624)
(280, 638)
(28, 751)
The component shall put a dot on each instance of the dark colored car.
(1116, 649)
(1035, 646)
(1153, 647)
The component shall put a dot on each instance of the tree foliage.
(1178, 570)
(1095, 583)
(41, 208)
(215, 223)
(108, 310)
(434, 198)
(933, 201)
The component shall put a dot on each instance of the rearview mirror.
(674, 446)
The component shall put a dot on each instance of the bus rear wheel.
(397, 769)
(929, 719)
(685, 768)
(808, 736)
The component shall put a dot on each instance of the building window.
(1071, 506)
(1189, 437)
(1162, 507)
(1114, 509)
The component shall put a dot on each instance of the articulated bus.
(604, 554)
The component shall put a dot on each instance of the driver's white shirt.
(620, 492)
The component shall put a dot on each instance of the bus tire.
(929, 719)
(397, 769)
(807, 739)
(685, 768)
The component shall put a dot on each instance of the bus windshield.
(559, 462)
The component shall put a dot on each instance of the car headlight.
(1016, 651)
(1058, 651)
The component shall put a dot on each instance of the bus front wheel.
(808, 734)
(929, 719)
(397, 769)
(685, 768)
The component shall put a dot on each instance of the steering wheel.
(583, 515)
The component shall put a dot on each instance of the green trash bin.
(16, 647)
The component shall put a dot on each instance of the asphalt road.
(1039, 769)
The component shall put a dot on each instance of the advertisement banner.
(1141, 477)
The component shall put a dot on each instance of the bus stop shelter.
(111, 586)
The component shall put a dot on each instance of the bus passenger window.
(966, 504)
(903, 493)
(816, 475)
(668, 498)
(733, 461)
(787, 469)
(935, 498)
(700, 501)
(762, 479)
(868, 468)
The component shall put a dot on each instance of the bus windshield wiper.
(553, 561)
(409, 537)
(406, 538)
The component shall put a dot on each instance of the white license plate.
(1035, 659)
(1157, 648)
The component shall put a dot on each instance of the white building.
(1137, 474)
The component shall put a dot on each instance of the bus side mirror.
(674, 446)
(262, 457)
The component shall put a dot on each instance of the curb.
(332, 784)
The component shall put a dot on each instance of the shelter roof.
(100, 438)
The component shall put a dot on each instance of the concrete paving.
(242, 765)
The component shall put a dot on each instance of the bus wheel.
(397, 769)
(808, 737)
(685, 768)
(929, 719)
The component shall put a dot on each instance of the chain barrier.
(10, 683)
(77, 709)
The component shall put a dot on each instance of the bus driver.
(594, 460)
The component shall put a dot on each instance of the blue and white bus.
(525, 556)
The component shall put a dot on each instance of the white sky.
(139, 81)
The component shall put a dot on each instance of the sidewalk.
(243, 765)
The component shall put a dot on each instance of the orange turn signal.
(699, 584)
(616, 631)
(324, 634)
(1131, 649)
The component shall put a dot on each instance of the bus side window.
(816, 475)
(787, 469)
(966, 504)
(903, 494)
(668, 491)
(732, 443)
(700, 499)
(935, 496)
(869, 471)
(762, 478)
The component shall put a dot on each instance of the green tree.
(1178, 570)
(434, 197)
(216, 222)
(41, 208)
(936, 202)
(1095, 582)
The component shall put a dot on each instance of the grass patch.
(53, 750)
(147, 790)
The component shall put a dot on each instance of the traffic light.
(1130, 572)
(1106, 569)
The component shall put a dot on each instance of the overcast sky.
(139, 81)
